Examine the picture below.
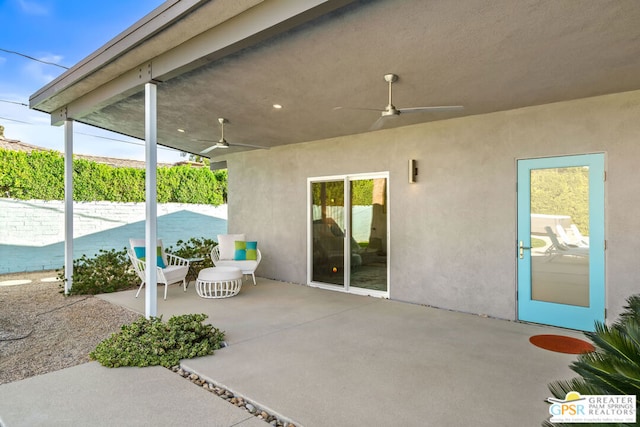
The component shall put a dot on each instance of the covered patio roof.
(235, 59)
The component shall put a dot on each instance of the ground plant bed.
(43, 331)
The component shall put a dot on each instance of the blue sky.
(62, 32)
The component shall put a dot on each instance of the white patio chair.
(559, 248)
(567, 240)
(222, 255)
(578, 235)
(171, 268)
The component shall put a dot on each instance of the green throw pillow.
(246, 251)
(241, 251)
(252, 251)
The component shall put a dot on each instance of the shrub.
(195, 248)
(109, 271)
(614, 368)
(149, 342)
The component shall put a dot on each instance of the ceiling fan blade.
(357, 108)
(436, 109)
(220, 144)
(378, 124)
(206, 150)
(391, 110)
(249, 145)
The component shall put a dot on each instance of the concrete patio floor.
(324, 358)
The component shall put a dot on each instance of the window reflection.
(560, 235)
(327, 229)
(369, 234)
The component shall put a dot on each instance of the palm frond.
(633, 332)
(615, 343)
(614, 368)
(560, 388)
(631, 311)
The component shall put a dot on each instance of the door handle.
(521, 249)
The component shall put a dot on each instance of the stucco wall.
(453, 233)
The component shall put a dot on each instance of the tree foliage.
(361, 192)
(562, 191)
(39, 175)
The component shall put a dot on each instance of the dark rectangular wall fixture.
(413, 171)
(214, 166)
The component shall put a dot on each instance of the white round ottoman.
(219, 282)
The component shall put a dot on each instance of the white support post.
(151, 197)
(68, 205)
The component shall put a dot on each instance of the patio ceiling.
(235, 59)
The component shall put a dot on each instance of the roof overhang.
(235, 58)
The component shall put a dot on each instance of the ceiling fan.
(392, 111)
(222, 143)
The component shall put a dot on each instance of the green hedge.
(39, 175)
(563, 191)
(361, 192)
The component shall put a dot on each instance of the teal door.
(560, 246)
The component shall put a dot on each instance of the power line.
(160, 147)
(122, 140)
(14, 102)
(34, 59)
(14, 120)
(109, 138)
(78, 133)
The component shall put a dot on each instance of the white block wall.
(32, 231)
(40, 223)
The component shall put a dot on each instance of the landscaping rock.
(236, 400)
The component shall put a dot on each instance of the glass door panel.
(327, 233)
(368, 224)
(559, 235)
(561, 241)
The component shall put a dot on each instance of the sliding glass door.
(348, 215)
(327, 229)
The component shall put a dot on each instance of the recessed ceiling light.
(277, 106)
(181, 130)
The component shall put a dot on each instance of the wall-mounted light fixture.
(413, 171)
